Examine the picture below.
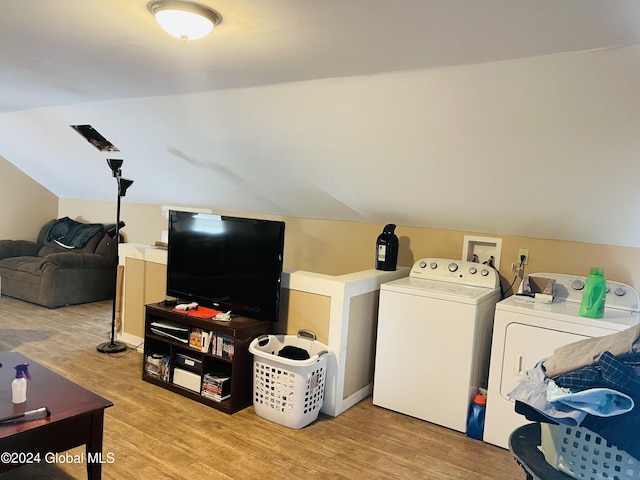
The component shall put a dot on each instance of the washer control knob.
(577, 284)
(473, 270)
(433, 265)
(422, 264)
(453, 267)
(484, 272)
(620, 291)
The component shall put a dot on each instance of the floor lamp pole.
(114, 346)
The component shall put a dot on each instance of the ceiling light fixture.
(184, 20)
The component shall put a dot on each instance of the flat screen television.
(226, 263)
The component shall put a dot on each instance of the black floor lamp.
(113, 346)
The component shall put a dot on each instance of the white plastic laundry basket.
(583, 454)
(286, 391)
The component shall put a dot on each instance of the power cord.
(489, 263)
(522, 259)
(128, 351)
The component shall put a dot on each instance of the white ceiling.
(74, 51)
(287, 106)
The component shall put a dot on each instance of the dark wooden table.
(77, 418)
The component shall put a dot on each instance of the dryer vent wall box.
(526, 331)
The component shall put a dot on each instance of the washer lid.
(442, 290)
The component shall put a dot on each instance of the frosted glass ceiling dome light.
(184, 20)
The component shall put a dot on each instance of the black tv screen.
(226, 263)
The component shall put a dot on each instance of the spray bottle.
(19, 384)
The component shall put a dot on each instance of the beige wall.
(144, 223)
(25, 205)
(304, 311)
(336, 248)
(360, 354)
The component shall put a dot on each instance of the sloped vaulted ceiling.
(500, 116)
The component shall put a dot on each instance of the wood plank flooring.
(152, 433)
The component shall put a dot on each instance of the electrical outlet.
(525, 252)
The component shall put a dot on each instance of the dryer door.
(525, 345)
(521, 340)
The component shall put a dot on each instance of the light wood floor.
(152, 433)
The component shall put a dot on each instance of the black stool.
(523, 443)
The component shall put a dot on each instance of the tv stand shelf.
(171, 354)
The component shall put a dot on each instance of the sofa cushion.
(107, 248)
(78, 260)
(50, 246)
(49, 249)
(25, 269)
(18, 248)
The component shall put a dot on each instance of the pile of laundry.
(593, 383)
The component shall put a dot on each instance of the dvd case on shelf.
(222, 345)
(157, 365)
(216, 387)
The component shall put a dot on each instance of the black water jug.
(387, 249)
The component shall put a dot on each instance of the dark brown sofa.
(70, 263)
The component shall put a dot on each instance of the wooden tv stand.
(239, 332)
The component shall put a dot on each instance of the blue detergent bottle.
(475, 423)
(595, 292)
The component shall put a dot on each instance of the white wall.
(542, 147)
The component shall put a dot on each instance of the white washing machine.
(526, 331)
(433, 342)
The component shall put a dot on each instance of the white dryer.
(526, 331)
(433, 342)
